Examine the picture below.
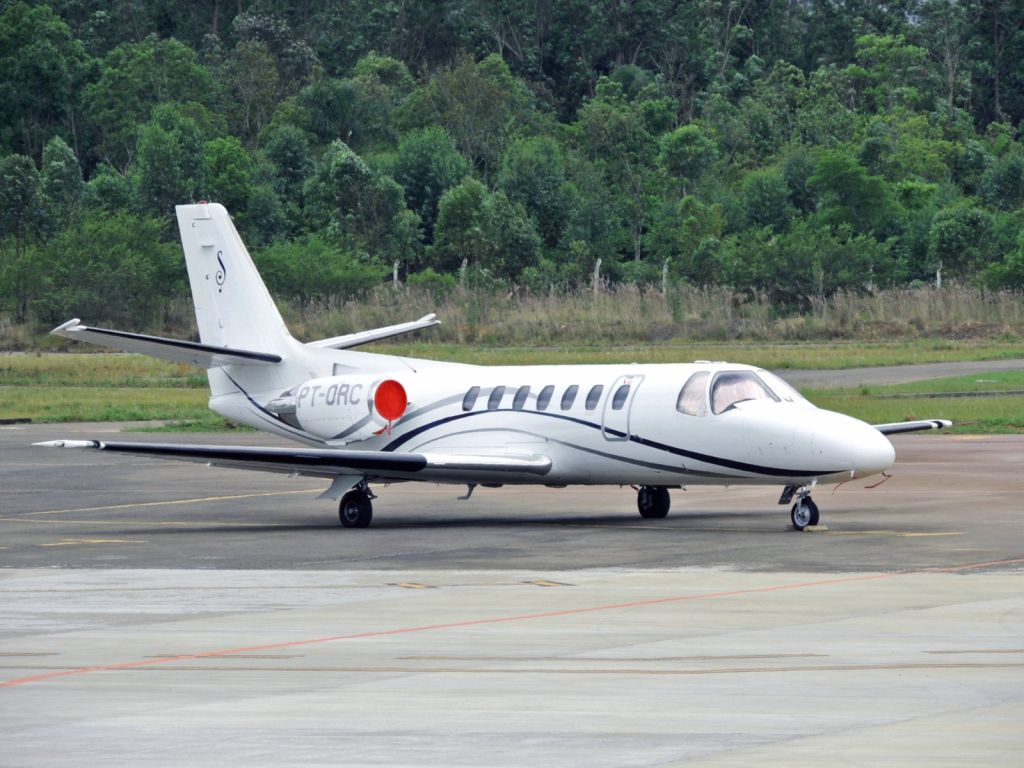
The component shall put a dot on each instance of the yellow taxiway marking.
(902, 534)
(410, 585)
(174, 502)
(77, 542)
(546, 583)
(191, 523)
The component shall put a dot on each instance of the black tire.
(355, 510)
(804, 513)
(653, 501)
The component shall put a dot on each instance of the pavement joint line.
(651, 602)
(636, 671)
(169, 502)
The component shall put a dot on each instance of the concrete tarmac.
(161, 613)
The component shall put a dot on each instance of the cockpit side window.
(691, 400)
(732, 387)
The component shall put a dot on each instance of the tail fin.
(233, 307)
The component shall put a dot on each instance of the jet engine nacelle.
(348, 408)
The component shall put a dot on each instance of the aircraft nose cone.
(873, 452)
(850, 445)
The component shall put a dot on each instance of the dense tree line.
(789, 148)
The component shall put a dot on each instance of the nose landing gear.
(804, 512)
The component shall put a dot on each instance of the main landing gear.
(804, 512)
(356, 507)
(653, 502)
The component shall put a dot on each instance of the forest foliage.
(785, 149)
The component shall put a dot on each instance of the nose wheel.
(804, 513)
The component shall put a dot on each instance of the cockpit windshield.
(781, 388)
(732, 387)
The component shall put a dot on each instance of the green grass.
(835, 355)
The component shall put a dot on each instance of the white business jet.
(367, 419)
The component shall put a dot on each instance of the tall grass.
(635, 314)
(626, 314)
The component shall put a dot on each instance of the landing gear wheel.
(653, 501)
(804, 513)
(355, 510)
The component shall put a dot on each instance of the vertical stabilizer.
(233, 307)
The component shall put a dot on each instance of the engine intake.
(344, 408)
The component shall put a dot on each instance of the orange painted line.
(502, 620)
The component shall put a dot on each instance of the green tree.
(766, 200)
(107, 191)
(253, 79)
(116, 255)
(22, 218)
(960, 240)
(487, 231)
(848, 194)
(533, 175)
(229, 171)
(365, 210)
(171, 162)
(313, 268)
(685, 154)
(287, 148)
(133, 79)
(427, 164)
(61, 182)
(1002, 183)
(613, 134)
(41, 68)
(480, 105)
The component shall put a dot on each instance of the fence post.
(597, 277)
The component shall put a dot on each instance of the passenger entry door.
(617, 406)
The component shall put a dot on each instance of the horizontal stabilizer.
(365, 337)
(175, 350)
(899, 427)
(324, 462)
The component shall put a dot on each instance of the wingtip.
(68, 444)
(71, 325)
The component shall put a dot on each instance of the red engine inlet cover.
(390, 399)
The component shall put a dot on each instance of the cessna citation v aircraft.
(369, 418)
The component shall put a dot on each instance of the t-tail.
(233, 306)
(243, 341)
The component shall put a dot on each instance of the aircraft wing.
(175, 350)
(365, 337)
(899, 427)
(326, 462)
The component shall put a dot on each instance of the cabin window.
(620, 396)
(691, 400)
(495, 399)
(594, 395)
(732, 387)
(569, 396)
(520, 399)
(544, 397)
(470, 399)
